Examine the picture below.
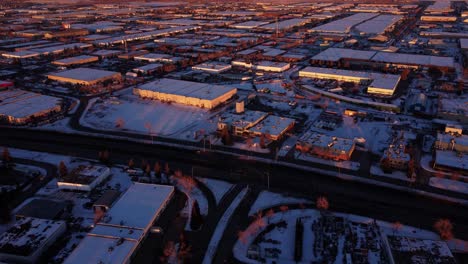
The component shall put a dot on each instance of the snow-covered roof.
(75, 60)
(29, 234)
(94, 249)
(185, 88)
(335, 54)
(344, 25)
(139, 205)
(85, 74)
(379, 24)
(249, 24)
(286, 24)
(125, 225)
(21, 104)
(273, 125)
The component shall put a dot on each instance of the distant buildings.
(381, 84)
(84, 76)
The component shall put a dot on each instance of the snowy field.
(217, 187)
(130, 113)
(450, 185)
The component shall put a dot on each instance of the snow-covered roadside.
(397, 175)
(268, 199)
(217, 187)
(218, 233)
(450, 185)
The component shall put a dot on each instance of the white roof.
(273, 125)
(37, 233)
(84, 74)
(335, 54)
(149, 67)
(75, 60)
(93, 249)
(286, 24)
(22, 104)
(249, 24)
(344, 25)
(188, 89)
(379, 24)
(117, 236)
(139, 205)
(379, 80)
(21, 54)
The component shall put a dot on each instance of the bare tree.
(63, 171)
(444, 228)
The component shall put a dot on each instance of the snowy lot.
(450, 185)
(154, 117)
(275, 233)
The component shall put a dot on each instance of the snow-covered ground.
(148, 117)
(398, 175)
(350, 165)
(283, 237)
(218, 233)
(450, 185)
(217, 187)
(268, 199)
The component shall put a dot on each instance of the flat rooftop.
(117, 236)
(75, 60)
(336, 54)
(185, 88)
(21, 104)
(344, 25)
(85, 74)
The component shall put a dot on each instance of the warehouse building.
(119, 234)
(187, 93)
(83, 178)
(380, 84)
(18, 107)
(84, 76)
(83, 59)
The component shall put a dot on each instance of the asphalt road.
(343, 195)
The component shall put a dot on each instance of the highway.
(343, 195)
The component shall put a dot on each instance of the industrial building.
(325, 146)
(84, 76)
(119, 234)
(18, 107)
(83, 59)
(29, 238)
(399, 60)
(380, 84)
(83, 178)
(184, 92)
